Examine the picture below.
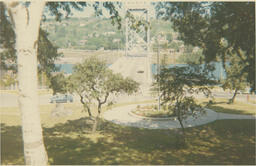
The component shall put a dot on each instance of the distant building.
(181, 48)
(195, 49)
(171, 51)
(175, 35)
(81, 24)
(82, 42)
(109, 33)
(116, 40)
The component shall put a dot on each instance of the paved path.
(122, 116)
(137, 68)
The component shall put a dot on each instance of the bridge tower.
(137, 43)
(137, 48)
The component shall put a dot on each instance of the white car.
(61, 98)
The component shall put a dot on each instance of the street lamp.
(159, 41)
(158, 72)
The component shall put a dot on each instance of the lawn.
(152, 111)
(220, 105)
(68, 142)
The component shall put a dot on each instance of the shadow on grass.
(11, 145)
(217, 108)
(226, 110)
(220, 142)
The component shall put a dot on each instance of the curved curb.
(150, 118)
(121, 116)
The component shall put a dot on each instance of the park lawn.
(68, 141)
(11, 115)
(220, 105)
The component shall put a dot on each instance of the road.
(137, 68)
(11, 100)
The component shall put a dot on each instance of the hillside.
(97, 33)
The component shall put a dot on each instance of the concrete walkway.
(123, 116)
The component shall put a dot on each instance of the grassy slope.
(221, 142)
(67, 142)
(221, 105)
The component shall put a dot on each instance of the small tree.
(191, 57)
(236, 78)
(94, 82)
(58, 83)
(177, 86)
(25, 20)
(205, 25)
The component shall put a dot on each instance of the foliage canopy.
(221, 29)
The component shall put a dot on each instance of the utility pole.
(126, 37)
(158, 72)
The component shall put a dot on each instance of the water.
(68, 68)
(219, 72)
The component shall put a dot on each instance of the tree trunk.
(94, 128)
(178, 114)
(26, 23)
(183, 130)
(231, 101)
(85, 106)
(89, 111)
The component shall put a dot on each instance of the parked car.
(61, 98)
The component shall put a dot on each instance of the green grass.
(221, 142)
(152, 111)
(220, 105)
(68, 141)
(10, 115)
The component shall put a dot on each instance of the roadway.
(11, 100)
(136, 68)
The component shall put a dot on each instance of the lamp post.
(158, 72)
(159, 41)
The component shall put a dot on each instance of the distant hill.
(97, 33)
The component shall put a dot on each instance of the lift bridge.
(137, 40)
(136, 63)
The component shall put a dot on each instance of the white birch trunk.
(26, 21)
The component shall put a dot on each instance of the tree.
(25, 20)
(94, 82)
(208, 24)
(7, 41)
(191, 57)
(58, 83)
(47, 53)
(169, 37)
(177, 86)
(8, 80)
(236, 80)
